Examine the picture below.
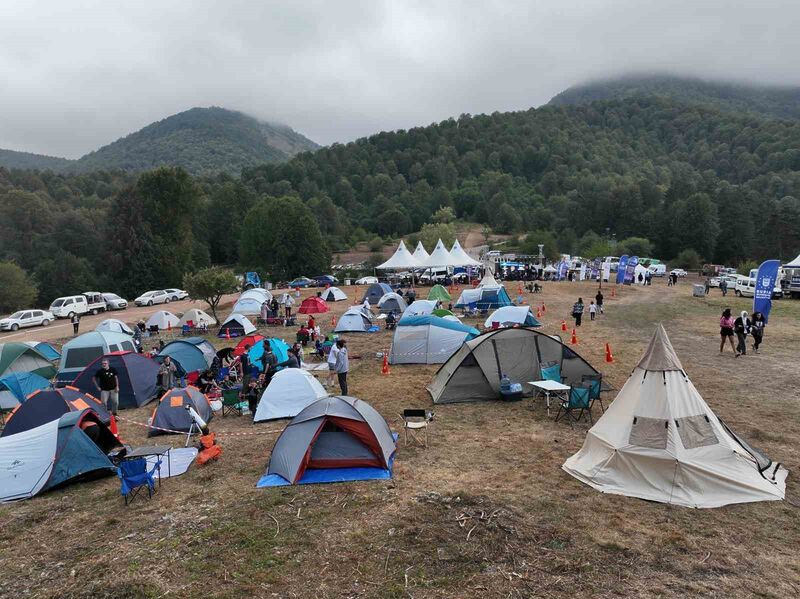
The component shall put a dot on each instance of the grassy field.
(484, 511)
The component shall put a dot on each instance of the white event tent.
(440, 257)
(400, 260)
(461, 257)
(420, 254)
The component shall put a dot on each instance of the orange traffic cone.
(519, 289)
(385, 367)
(613, 292)
(544, 308)
(538, 313)
(333, 320)
(113, 427)
(228, 334)
(609, 355)
(563, 325)
(574, 340)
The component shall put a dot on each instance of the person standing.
(577, 311)
(599, 299)
(166, 374)
(244, 362)
(76, 323)
(757, 324)
(592, 310)
(726, 329)
(342, 365)
(269, 362)
(741, 326)
(723, 286)
(264, 310)
(332, 355)
(107, 382)
(288, 302)
(707, 285)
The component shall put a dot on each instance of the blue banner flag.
(621, 267)
(766, 278)
(630, 270)
(562, 270)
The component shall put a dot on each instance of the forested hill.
(779, 102)
(26, 160)
(200, 140)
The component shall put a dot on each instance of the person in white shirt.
(332, 355)
(592, 310)
(366, 307)
(288, 302)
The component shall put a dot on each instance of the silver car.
(114, 302)
(26, 318)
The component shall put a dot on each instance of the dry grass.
(484, 511)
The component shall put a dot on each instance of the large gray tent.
(473, 373)
(333, 433)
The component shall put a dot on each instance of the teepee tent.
(488, 280)
(660, 441)
(461, 257)
(402, 259)
(289, 392)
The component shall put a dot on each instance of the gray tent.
(337, 433)
(473, 373)
(392, 302)
(375, 292)
(355, 320)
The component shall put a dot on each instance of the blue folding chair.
(595, 382)
(550, 371)
(579, 400)
(134, 477)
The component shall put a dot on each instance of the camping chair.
(579, 398)
(231, 402)
(551, 371)
(186, 330)
(153, 329)
(595, 382)
(134, 476)
(414, 421)
(472, 309)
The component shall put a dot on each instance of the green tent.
(20, 357)
(441, 312)
(439, 293)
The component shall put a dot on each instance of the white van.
(746, 287)
(658, 270)
(95, 300)
(66, 307)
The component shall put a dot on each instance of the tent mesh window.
(696, 431)
(649, 432)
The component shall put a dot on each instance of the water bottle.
(505, 384)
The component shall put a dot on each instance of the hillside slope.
(202, 141)
(778, 102)
(27, 160)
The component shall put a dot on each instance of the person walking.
(726, 329)
(107, 382)
(757, 324)
(592, 310)
(332, 355)
(707, 285)
(342, 365)
(741, 326)
(76, 323)
(723, 286)
(577, 311)
(599, 299)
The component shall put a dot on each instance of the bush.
(16, 288)
(375, 244)
(746, 266)
(687, 259)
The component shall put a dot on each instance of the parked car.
(323, 280)
(95, 301)
(152, 297)
(176, 294)
(657, 270)
(301, 282)
(68, 306)
(26, 318)
(366, 280)
(746, 287)
(713, 282)
(678, 271)
(114, 302)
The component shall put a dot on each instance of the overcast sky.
(76, 75)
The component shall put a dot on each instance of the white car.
(115, 302)
(26, 318)
(367, 280)
(678, 271)
(152, 297)
(176, 294)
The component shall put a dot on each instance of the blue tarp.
(330, 475)
(47, 350)
(22, 384)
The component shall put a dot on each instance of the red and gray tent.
(137, 378)
(333, 439)
(47, 405)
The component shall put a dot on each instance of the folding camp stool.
(415, 421)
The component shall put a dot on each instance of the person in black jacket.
(757, 324)
(741, 326)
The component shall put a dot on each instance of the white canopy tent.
(440, 257)
(461, 257)
(400, 260)
(794, 263)
(488, 280)
(420, 254)
(660, 441)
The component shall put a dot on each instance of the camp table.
(548, 388)
(156, 450)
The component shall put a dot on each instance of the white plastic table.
(548, 388)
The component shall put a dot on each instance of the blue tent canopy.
(22, 384)
(279, 347)
(484, 298)
(428, 319)
(46, 349)
(190, 354)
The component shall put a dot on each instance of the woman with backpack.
(577, 311)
